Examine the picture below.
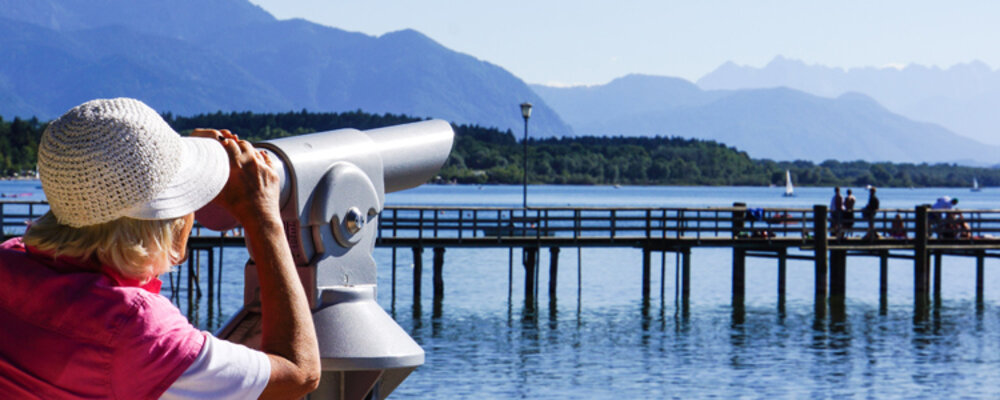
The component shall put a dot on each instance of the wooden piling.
(211, 285)
(438, 273)
(782, 275)
(645, 272)
(218, 282)
(685, 276)
(920, 262)
(579, 277)
(883, 281)
(663, 276)
(553, 270)
(739, 276)
(937, 277)
(190, 284)
(530, 272)
(739, 262)
(838, 275)
(393, 294)
(980, 263)
(510, 273)
(820, 250)
(883, 273)
(418, 271)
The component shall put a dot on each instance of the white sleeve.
(223, 370)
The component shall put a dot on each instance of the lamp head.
(526, 110)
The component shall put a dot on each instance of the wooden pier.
(918, 234)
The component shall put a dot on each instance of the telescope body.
(333, 189)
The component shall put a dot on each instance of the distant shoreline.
(35, 178)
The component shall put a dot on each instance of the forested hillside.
(487, 155)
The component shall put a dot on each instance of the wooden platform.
(917, 234)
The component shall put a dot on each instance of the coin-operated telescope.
(333, 188)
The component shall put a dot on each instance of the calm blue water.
(603, 345)
(597, 340)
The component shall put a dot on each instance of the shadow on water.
(838, 310)
(437, 318)
(553, 314)
(645, 319)
(417, 316)
(529, 316)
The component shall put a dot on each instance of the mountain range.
(776, 123)
(198, 56)
(963, 98)
(201, 56)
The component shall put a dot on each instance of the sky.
(580, 42)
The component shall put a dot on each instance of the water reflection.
(553, 314)
(622, 348)
(622, 352)
(417, 316)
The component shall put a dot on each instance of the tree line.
(484, 155)
(19, 145)
(488, 156)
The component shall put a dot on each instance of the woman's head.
(112, 158)
(118, 179)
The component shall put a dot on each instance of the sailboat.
(789, 190)
(975, 185)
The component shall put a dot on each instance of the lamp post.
(526, 113)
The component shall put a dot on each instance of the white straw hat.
(112, 158)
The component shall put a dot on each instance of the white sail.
(789, 189)
(975, 185)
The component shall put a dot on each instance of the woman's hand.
(288, 335)
(253, 188)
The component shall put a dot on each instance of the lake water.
(598, 340)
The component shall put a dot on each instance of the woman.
(79, 307)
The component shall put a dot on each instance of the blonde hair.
(137, 249)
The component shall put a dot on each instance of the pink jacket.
(72, 329)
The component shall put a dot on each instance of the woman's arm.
(288, 334)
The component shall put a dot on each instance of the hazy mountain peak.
(963, 97)
(780, 61)
(974, 66)
(406, 33)
(779, 123)
(410, 37)
(640, 80)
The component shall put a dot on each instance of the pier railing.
(505, 225)
(15, 215)
(710, 223)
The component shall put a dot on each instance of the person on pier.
(941, 221)
(836, 213)
(898, 229)
(848, 218)
(870, 211)
(79, 293)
